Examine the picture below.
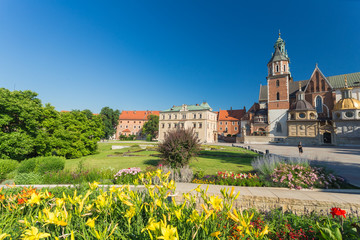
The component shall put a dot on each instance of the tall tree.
(110, 119)
(21, 115)
(151, 127)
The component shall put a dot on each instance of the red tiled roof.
(126, 130)
(231, 115)
(137, 115)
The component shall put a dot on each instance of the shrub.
(28, 165)
(7, 166)
(178, 147)
(149, 137)
(127, 175)
(50, 164)
(28, 178)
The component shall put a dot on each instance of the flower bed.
(229, 178)
(120, 213)
(298, 177)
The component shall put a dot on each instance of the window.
(139, 127)
(169, 116)
(220, 123)
(175, 125)
(278, 127)
(277, 83)
(163, 116)
(235, 128)
(233, 123)
(319, 104)
(169, 125)
(226, 129)
(225, 123)
(317, 82)
(200, 125)
(312, 86)
(277, 96)
(175, 116)
(302, 115)
(184, 116)
(162, 125)
(277, 68)
(194, 115)
(126, 126)
(322, 85)
(120, 121)
(134, 121)
(134, 127)
(220, 129)
(128, 121)
(194, 125)
(284, 68)
(349, 114)
(200, 115)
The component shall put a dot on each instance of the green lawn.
(211, 159)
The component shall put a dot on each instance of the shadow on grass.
(153, 162)
(221, 154)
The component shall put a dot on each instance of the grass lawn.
(211, 159)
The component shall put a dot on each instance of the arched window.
(317, 82)
(277, 83)
(277, 96)
(322, 85)
(277, 68)
(312, 86)
(284, 68)
(278, 127)
(319, 104)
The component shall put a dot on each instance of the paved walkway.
(345, 161)
(265, 198)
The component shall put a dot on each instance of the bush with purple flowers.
(299, 176)
(127, 175)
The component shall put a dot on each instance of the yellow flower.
(130, 214)
(59, 202)
(169, 233)
(35, 199)
(216, 203)
(94, 185)
(215, 234)
(91, 222)
(33, 234)
(264, 231)
(178, 214)
(3, 236)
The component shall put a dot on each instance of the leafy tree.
(110, 119)
(21, 115)
(29, 129)
(88, 113)
(178, 147)
(151, 127)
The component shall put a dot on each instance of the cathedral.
(320, 110)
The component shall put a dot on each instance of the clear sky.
(150, 55)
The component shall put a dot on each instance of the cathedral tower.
(278, 80)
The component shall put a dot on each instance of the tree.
(29, 129)
(110, 119)
(88, 113)
(151, 127)
(21, 115)
(178, 147)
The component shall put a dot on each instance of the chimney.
(197, 104)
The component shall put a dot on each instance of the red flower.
(338, 212)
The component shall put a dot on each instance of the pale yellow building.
(199, 117)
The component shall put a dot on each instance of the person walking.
(300, 148)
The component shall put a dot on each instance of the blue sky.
(150, 55)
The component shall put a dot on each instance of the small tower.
(278, 89)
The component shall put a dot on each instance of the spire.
(345, 80)
(280, 52)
